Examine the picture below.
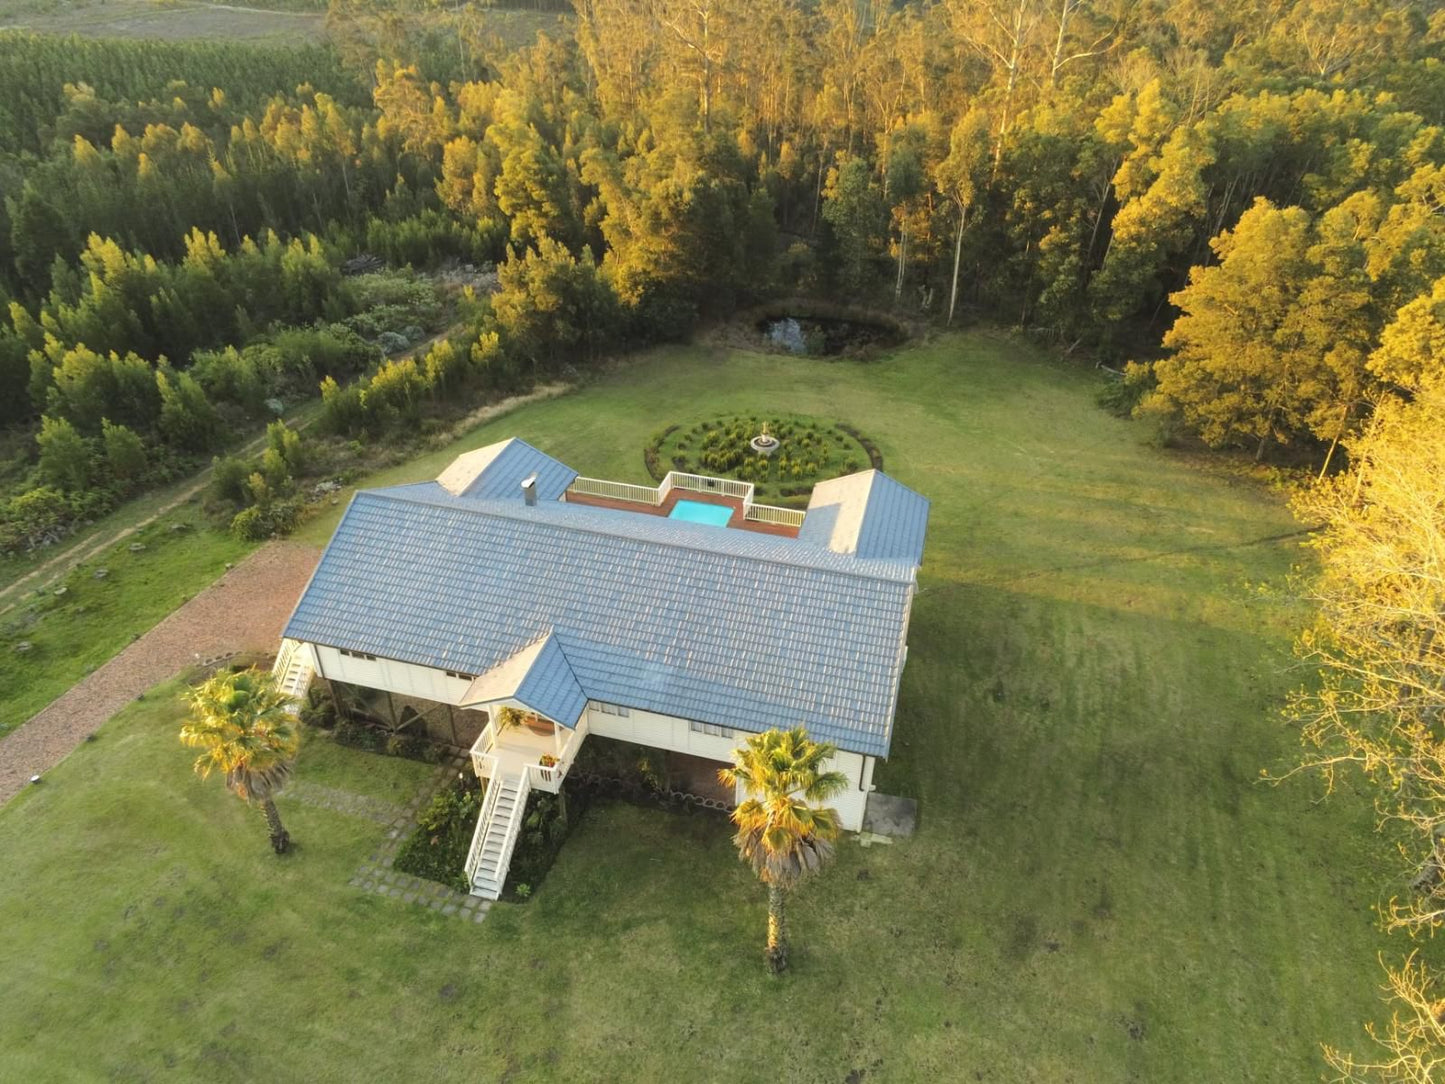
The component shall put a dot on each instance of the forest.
(1240, 205)
(1236, 211)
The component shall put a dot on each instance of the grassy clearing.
(72, 633)
(1099, 891)
(164, 20)
(257, 22)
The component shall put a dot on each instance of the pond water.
(821, 336)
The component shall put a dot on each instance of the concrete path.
(242, 611)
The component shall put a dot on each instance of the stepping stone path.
(376, 873)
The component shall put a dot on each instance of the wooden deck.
(665, 509)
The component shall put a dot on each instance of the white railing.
(514, 829)
(484, 817)
(702, 483)
(617, 491)
(549, 777)
(484, 764)
(485, 740)
(771, 513)
(689, 483)
(284, 658)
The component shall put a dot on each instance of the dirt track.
(242, 611)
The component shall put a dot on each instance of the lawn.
(1099, 889)
(75, 631)
(258, 22)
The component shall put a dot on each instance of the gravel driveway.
(242, 611)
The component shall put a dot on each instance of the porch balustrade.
(492, 753)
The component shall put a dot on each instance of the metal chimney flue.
(529, 489)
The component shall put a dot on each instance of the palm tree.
(241, 723)
(783, 831)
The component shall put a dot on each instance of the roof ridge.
(877, 569)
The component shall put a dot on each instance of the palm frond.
(784, 834)
(241, 724)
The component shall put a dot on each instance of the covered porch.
(539, 748)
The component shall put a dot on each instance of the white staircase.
(498, 826)
(293, 670)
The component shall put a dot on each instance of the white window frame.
(611, 709)
(712, 730)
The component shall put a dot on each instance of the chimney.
(529, 489)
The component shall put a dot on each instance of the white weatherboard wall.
(677, 735)
(397, 677)
(641, 727)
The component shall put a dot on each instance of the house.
(682, 616)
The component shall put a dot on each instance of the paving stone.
(479, 916)
(449, 909)
(410, 897)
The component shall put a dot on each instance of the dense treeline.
(1264, 177)
(136, 81)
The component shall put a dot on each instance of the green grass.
(167, 20)
(392, 779)
(73, 633)
(1098, 891)
(258, 22)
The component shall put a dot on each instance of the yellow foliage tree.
(1379, 706)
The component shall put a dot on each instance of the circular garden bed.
(809, 451)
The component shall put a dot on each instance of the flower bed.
(809, 451)
(437, 850)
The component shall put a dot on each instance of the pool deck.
(665, 509)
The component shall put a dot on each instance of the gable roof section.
(538, 676)
(868, 515)
(496, 472)
(733, 628)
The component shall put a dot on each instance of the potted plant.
(548, 760)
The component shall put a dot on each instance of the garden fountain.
(764, 443)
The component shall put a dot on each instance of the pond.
(825, 336)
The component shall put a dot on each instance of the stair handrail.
(524, 787)
(484, 816)
(289, 647)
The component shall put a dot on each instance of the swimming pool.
(715, 515)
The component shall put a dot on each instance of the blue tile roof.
(734, 628)
(538, 676)
(868, 515)
(895, 522)
(501, 478)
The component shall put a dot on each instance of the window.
(358, 655)
(459, 675)
(610, 709)
(711, 731)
